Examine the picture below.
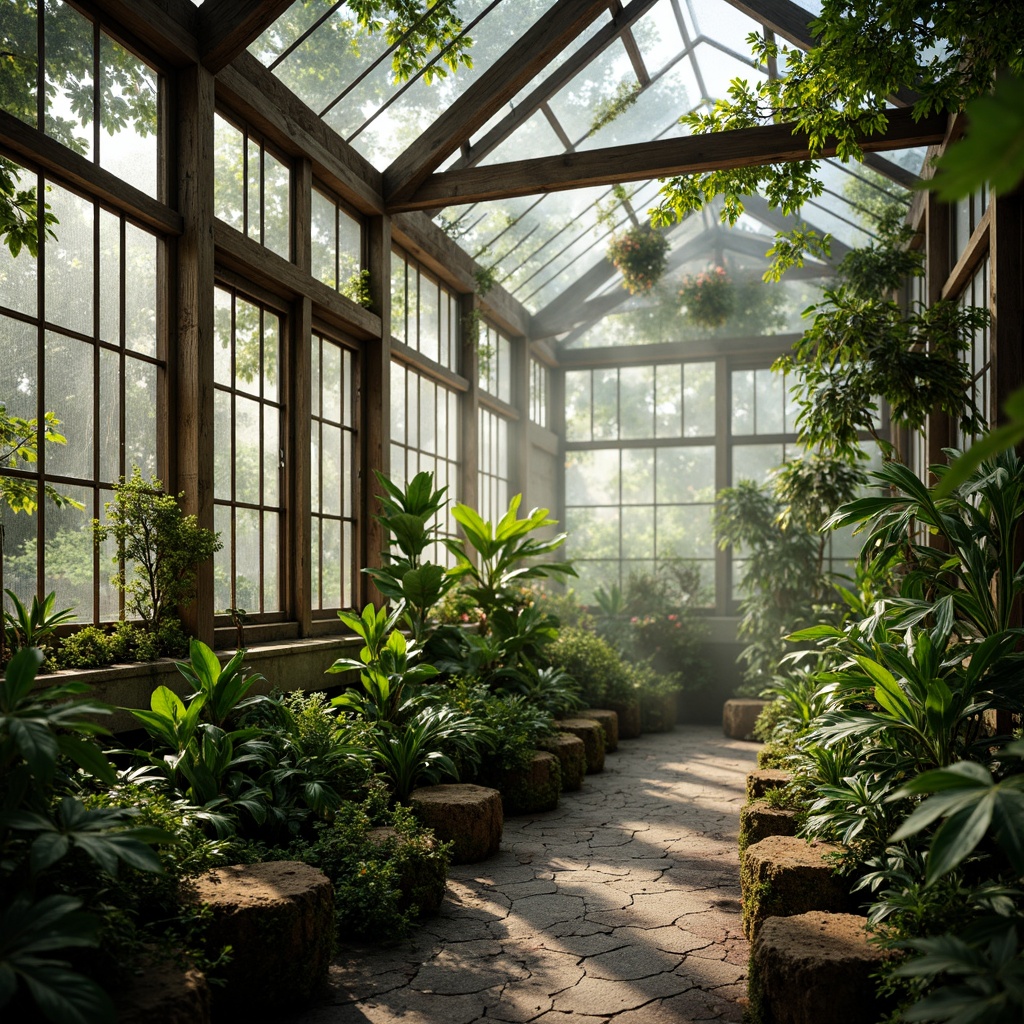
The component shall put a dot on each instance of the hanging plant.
(709, 298)
(640, 254)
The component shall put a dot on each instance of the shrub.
(594, 664)
(88, 647)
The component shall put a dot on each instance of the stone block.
(814, 967)
(609, 722)
(532, 789)
(628, 712)
(470, 817)
(164, 993)
(421, 879)
(278, 917)
(590, 731)
(572, 756)
(759, 820)
(766, 779)
(783, 876)
(739, 716)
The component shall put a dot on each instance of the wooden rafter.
(892, 171)
(227, 27)
(516, 67)
(694, 154)
(564, 74)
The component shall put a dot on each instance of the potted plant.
(708, 299)
(640, 254)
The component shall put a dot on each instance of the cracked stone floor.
(622, 904)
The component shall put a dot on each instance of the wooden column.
(375, 403)
(469, 456)
(1006, 241)
(937, 266)
(556, 419)
(192, 414)
(297, 421)
(723, 478)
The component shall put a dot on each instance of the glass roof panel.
(657, 35)
(722, 22)
(534, 138)
(718, 69)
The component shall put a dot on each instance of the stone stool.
(592, 734)
(765, 779)
(759, 820)
(628, 712)
(468, 816)
(572, 756)
(278, 917)
(532, 789)
(739, 716)
(609, 722)
(813, 968)
(783, 876)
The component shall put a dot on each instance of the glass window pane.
(685, 475)
(592, 478)
(753, 461)
(669, 408)
(636, 397)
(699, 402)
(577, 405)
(742, 402)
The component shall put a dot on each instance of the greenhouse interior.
(405, 404)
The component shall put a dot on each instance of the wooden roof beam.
(227, 27)
(564, 74)
(511, 72)
(892, 171)
(693, 154)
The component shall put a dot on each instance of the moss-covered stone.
(571, 755)
(658, 712)
(163, 992)
(773, 755)
(763, 780)
(814, 967)
(278, 918)
(421, 879)
(739, 716)
(470, 817)
(609, 722)
(783, 876)
(628, 712)
(532, 789)
(590, 731)
(759, 820)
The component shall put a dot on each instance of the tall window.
(248, 454)
(85, 347)
(640, 470)
(493, 475)
(540, 390)
(424, 314)
(252, 187)
(495, 363)
(337, 245)
(979, 355)
(333, 474)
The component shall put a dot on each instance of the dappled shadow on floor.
(623, 903)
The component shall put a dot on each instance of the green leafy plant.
(708, 298)
(31, 626)
(405, 577)
(159, 548)
(505, 553)
(640, 255)
(219, 691)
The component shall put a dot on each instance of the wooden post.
(937, 266)
(193, 354)
(375, 403)
(519, 434)
(298, 426)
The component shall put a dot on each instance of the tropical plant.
(640, 255)
(405, 577)
(45, 736)
(505, 553)
(30, 627)
(218, 691)
(159, 548)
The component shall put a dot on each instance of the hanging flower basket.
(708, 299)
(640, 255)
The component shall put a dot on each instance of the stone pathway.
(623, 904)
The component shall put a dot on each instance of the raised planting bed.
(783, 876)
(532, 789)
(609, 722)
(278, 918)
(572, 757)
(470, 817)
(590, 731)
(628, 712)
(814, 968)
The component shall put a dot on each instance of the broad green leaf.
(957, 837)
